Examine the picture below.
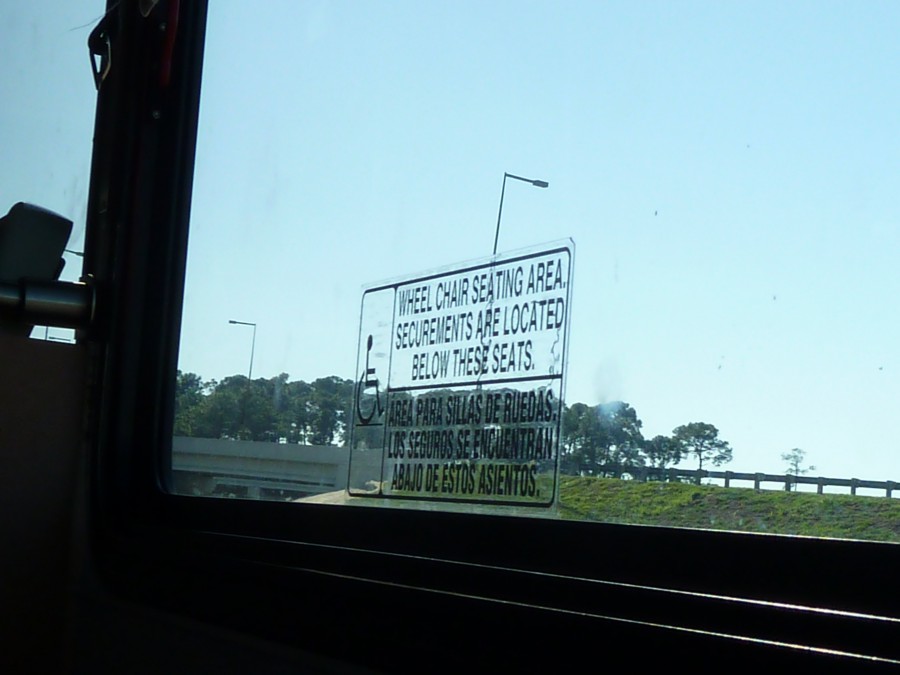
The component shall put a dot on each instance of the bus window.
(730, 358)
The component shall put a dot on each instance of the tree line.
(274, 409)
(606, 439)
(601, 440)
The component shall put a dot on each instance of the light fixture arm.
(252, 344)
(535, 183)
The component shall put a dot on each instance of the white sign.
(460, 381)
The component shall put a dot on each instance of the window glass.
(726, 172)
(47, 116)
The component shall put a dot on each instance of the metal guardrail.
(787, 480)
(204, 465)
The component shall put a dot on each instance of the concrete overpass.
(256, 470)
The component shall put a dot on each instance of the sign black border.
(394, 285)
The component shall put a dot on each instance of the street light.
(536, 183)
(252, 345)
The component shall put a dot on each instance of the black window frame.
(386, 588)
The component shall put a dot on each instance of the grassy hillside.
(706, 506)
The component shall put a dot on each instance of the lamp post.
(535, 183)
(252, 344)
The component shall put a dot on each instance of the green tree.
(264, 409)
(293, 414)
(662, 452)
(224, 414)
(702, 440)
(603, 439)
(582, 435)
(328, 406)
(190, 397)
(794, 459)
(622, 438)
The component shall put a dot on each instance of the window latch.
(62, 304)
(32, 241)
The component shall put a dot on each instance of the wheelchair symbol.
(366, 382)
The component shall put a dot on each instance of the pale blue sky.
(47, 109)
(728, 172)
